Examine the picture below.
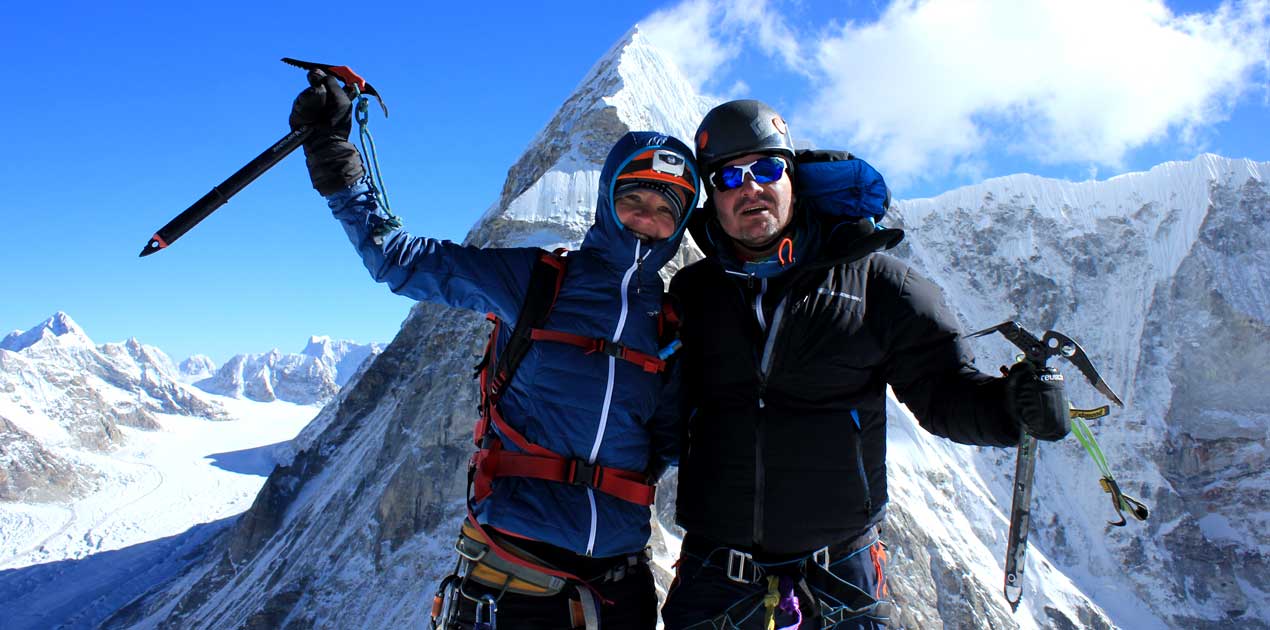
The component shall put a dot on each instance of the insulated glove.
(333, 161)
(1037, 401)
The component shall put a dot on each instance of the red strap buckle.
(583, 474)
(615, 350)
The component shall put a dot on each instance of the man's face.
(646, 213)
(753, 213)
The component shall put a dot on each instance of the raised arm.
(485, 280)
(491, 280)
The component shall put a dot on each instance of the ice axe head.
(344, 74)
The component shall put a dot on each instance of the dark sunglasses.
(764, 170)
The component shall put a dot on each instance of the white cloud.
(703, 35)
(933, 82)
(683, 33)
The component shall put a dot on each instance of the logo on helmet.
(702, 139)
(779, 123)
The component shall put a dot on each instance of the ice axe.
(221, 193)
(1037, 352)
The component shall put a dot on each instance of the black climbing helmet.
(737, 128)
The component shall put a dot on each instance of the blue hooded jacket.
(586, 406)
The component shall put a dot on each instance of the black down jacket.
(786, 409)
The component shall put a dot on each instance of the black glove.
(1036, 400)
(334, 163)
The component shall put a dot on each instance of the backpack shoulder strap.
(540, 297)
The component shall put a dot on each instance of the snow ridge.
(549, 195)
(313, 376)
(59, 328)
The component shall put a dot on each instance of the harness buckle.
(583, 474)
(610, 348)
(821, 557)
(738, 561)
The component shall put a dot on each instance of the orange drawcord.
(786, 243)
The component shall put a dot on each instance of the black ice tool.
(1037, 352)
(221, 193)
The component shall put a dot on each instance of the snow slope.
(159, 497)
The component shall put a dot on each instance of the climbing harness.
(482, 562)
(485, 556)
(834, 600)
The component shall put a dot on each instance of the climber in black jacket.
(793, 326)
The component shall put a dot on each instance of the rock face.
(314, 376)
(1161, 276)
(1158, 274)
(60, 393)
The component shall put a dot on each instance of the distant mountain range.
(60, 393)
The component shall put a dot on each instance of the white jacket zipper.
(608, 392)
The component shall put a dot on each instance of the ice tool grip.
(1123, 502)
(219, 195)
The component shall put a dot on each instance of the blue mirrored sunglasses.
(764, 170)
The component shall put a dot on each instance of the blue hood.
(608, 237)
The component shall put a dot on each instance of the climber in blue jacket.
(572, 443)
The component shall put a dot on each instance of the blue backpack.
(836, 183)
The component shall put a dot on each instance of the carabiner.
(490, 605)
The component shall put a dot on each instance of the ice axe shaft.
(220, 194)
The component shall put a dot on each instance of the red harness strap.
(533, 461)
(537, 462)
(649, 362)
(623, 484)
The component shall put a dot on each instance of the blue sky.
(120, 118)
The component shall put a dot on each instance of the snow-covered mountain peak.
(196, 367)
(319, 346)
(59, 329)
(650, 91)
(1081, 204)
(549, 196)
(312, 376)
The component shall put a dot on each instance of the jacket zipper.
(608, 392)
(758, 305)
(859, 462)
(765, 365)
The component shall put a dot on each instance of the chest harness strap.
(497, 369)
